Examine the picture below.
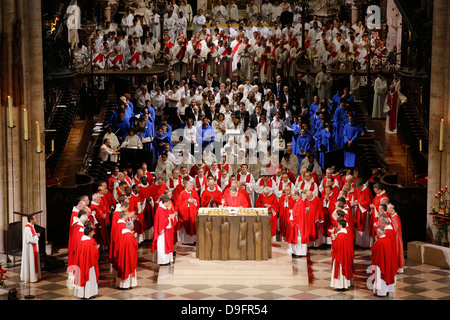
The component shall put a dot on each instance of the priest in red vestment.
(285, 204)
(127, 258)
(314, 218)
(383, 266)
(86, 277)
(162, 244)
(234, 198)
(329, 205)
(211, 196)
(397, 225)
(390, 233)
(187, 207)
(341, 257)
(380, 193)
(296, 228)
(267, 199)
(145, 191)
(363, 199)
(73, 237)
(116, 231)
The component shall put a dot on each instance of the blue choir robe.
(313, 108)
(159, 149)
(339, 120)
(303, 144)
(205, 136)
(296, 132)
(120, 128)
(350, 133)
(335, 102)
(324, 141)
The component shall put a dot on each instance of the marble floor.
(310, 279)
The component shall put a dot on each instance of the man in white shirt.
(220, 12)
(233, 12)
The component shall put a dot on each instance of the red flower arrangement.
(442, 226)
(3, 277)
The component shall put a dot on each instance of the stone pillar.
(22, 187)
(439, 162)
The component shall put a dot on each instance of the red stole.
(247, 178)
(169, 45)
(228, 66)
(98, 58)
(236, 47)
(117, 59)
(392, 102)
(172, 182)
(264, 60)
(34, 245)
(199, 184)
(181, 53)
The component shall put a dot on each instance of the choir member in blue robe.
(303, 144)
(324, 141)
(205, 134)
(296, 132)
(313, 108)
(160, 140)
(335, 101)
(351, 131)
(121, 125)
(338, 124)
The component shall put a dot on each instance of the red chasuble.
(86, 258)
(364, 198)
(161, 222)
(273, 211)
(328, 209)
(120, 225)
(187, 212)
(397, 225)
(382, 256)
(239, 201)
(314, 213)
(390, 234)
(298, 223)
(207, 194)
(101, 223)
(342, 255)
(283, 212)
(147, 212)
(127, 255)
(373, 218)
(72, 245)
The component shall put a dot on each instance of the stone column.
(439, 162)
(22, 187)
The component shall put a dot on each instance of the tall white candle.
(53, 145)
(441, 136)
(10, 112)
(38, 138)
(25, 124)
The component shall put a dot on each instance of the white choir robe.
(299, 248)
(310, 87)
(223, 59)
(146, 63)
(279, 188)
(233, 12)
(116, 61)
(90, 288)
(27, 268)
(161, 166)
(324, 89)
(220, 14)
(245, 56)
(154, 25)
(380, 87)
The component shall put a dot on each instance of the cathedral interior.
(53, 129)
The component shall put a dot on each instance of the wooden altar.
(233, 234)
